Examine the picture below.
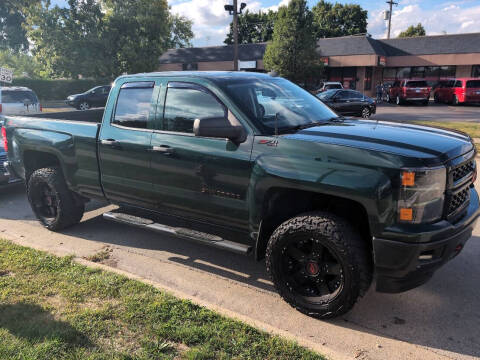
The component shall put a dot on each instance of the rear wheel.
(425, 102)
(319, 264)
(84, 106)
(52, 202)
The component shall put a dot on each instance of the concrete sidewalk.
(439, 320)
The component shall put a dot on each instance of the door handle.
(164, 149)
(111, 142)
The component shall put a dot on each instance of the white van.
(17, 100)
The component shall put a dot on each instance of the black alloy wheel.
(311, 270)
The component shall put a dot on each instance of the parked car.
(18, 100)
(95, 97)
(349, 102)
(330, 202)
(329, 85)
(409, 91)
(458, 91)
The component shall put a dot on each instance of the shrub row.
(48, 90)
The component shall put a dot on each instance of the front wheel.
(398, 101)
(319, 264)
(52, 202)
(366, 113)
(84, 106)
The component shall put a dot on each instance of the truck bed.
(94, 115)
(69, 137)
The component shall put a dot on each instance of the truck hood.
(432, 145)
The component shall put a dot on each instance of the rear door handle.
(164, 149)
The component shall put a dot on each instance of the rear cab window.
(133, 105)
(18, 96)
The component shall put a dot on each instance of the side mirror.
(219, 128)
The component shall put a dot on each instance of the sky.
(211, 21)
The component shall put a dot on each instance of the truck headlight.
(421, 195)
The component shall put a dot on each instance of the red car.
(462, 90)
(409, 90)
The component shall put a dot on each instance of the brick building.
(357, 61)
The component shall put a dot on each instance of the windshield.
(327, 94)
(333, 86)
(276, 103)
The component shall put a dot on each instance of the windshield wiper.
(312, 124)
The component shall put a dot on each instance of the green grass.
(471, 128)
(53, 308)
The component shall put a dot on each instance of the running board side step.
(184, 233)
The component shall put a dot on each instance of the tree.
(412, 31)
(253, 27)
(332, 20)
(23, 65)
(292, 52)
(104, 38)
(12, 18)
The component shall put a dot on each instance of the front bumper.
(401, 266)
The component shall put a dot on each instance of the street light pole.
(233, 10)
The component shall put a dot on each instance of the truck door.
(200, 178)
(124, 144)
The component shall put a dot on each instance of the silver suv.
(17, 100)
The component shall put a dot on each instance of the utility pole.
(235, 36)
(391, 3)
(233, 10)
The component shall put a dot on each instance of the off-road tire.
(69, 208)
(338, 236)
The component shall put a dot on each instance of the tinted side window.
(133, 106)
(354, 95)
(184, 105)
(458, 84)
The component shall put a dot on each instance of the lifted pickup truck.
(252, 163)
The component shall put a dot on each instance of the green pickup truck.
(251, 163)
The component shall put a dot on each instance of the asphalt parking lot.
(439, 320)
(432, 112)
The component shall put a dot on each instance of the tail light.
(40, 107)
(4, 138)
(0, 108)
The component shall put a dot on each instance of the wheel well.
(282, 204)
(33, 160)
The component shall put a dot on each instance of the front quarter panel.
(363, 176)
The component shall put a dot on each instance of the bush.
(58, 89)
